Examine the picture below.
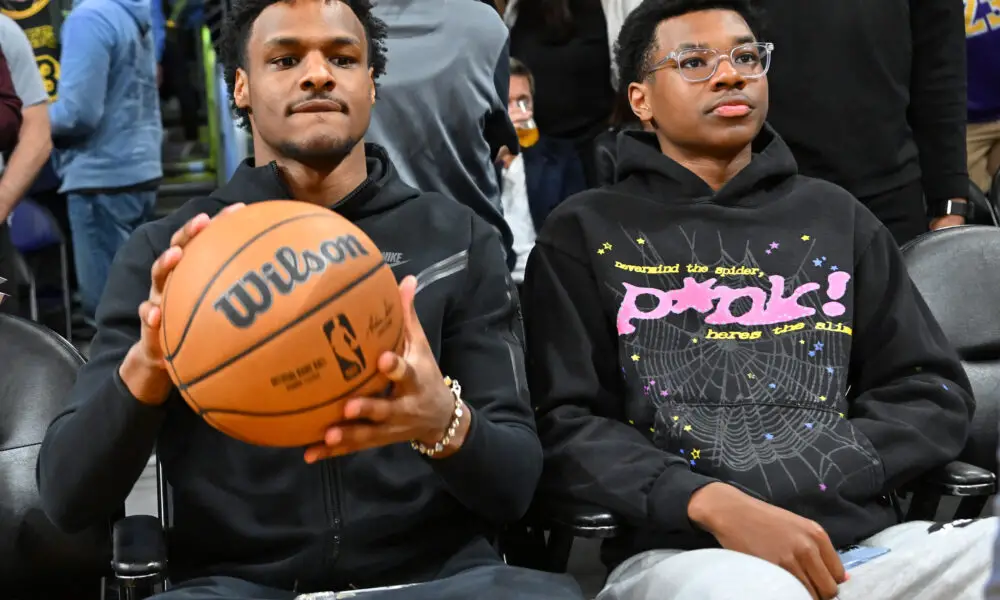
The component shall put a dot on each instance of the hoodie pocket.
(782, 454)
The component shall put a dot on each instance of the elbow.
(520, 490)
(62, 515)
(45, 148)
(57, 505)
(73, 122)
(58, 492)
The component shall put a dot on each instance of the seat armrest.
(139, 548)
(582, 520)
(958, 478)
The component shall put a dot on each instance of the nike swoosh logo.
(398, 264)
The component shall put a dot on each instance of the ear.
(371, 78)
(241, 89)
(638, 99)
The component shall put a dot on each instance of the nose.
(317, 74)
(726, 76)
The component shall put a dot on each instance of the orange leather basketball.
(275, 315)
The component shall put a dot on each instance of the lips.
(732, 106)
(318, 105)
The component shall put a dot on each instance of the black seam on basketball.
(163, 340)
(297, 411)
(168, 354)
(189, 397)
(264, 340)
(304, 409)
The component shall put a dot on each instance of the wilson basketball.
(275, 315)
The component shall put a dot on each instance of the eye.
(285, 62)
(747, 58)
(692, 63)
(344, 61)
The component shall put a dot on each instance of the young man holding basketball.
(364, 509)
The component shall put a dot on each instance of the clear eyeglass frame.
(677, 57)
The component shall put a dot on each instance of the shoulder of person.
(479, 21)
(565, 225)
(11, 33)
(824, 196)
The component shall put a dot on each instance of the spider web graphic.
(765, 412)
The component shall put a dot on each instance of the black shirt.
(871, 95)
(573, 93)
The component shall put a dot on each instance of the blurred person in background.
(10, 108)
(159, 24)
(546, 172)
(10, 125)
(891, 129)
(182, 70)
(33, 145)
(107, 130)
(565, 44)
(442, 109)
(982, 42)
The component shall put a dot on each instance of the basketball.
(274, 316)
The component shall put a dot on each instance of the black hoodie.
(766, 335)
(379, 517)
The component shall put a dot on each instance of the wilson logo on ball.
(253, 294)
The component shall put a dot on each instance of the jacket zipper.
(362, 187)
(331, 496)
(456, 263)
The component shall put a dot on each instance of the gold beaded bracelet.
(456, 391)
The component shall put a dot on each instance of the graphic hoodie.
(766, 335)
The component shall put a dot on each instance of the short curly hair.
(636, 43)
(232, 46)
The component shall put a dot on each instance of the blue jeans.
(100, 223)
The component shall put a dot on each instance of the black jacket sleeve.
(497, 128)
(95, 451)
(937, 111)
(496, 471)
(591, 455)
(910, 394)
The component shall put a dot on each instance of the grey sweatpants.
(927, 561)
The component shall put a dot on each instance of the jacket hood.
(140, 10)
(381, 191)
(642, 163)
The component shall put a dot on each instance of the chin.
(318, 148)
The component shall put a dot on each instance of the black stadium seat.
(37, 561)
(956, 271)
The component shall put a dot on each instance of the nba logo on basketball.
(344, 343)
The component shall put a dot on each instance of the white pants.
(927, 561)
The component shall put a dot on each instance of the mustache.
(341, 105)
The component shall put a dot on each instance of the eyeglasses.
(700, 64)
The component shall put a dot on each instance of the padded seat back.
(37, 370)
(957, 270)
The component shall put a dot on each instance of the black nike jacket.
(378, 517)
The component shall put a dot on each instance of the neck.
(716, 170)
(324, 185)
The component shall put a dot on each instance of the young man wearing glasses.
(731, 357)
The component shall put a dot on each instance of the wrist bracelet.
(456, 392)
